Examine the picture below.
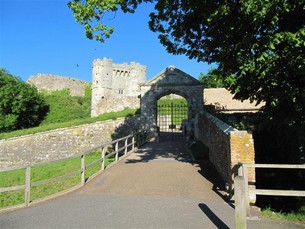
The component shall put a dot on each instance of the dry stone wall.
(56, 144)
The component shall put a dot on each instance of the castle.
(115, 86)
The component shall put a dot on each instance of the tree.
(90, 14)
(211, 79)
(20, 106)
(258, 45)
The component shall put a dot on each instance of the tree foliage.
(259, 45)
(212, 79)
(21, 106)
(90, 14)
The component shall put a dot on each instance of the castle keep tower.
(115, 86)
(101, 82)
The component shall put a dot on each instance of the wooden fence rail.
(243, 202)
(121, 147)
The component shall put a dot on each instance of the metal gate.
(171, 120)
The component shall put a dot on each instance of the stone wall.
(117, 104)
(56, 144)
(227, 146)
(51, 82)
(115, 86)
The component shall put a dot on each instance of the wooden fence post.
(83, 166)
(133, 141)
(247, 198)
(116, 151)
(126, 140)
(103, 158)
(240, 206)
(27, 190)
(243, 171)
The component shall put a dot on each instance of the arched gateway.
(170, 81)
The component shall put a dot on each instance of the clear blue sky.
(41, 36)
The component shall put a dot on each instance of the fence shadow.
(212, 216)
(131, 125)
(208, 171)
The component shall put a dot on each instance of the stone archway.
(170, 81)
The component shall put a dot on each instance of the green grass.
(67, 111)
(166, 101)
(106, 116)
(64, 107)
(179, 105)
(298, 216)
(44, 172)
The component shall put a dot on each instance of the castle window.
(121, 91)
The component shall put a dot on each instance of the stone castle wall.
(56, 144)
(117, 104)
(227, 146)
(51, 82)
(115, 86)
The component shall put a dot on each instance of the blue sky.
(41, 36)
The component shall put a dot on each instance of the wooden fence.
(243, 193)
(116, 150)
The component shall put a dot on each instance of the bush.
(21, 106)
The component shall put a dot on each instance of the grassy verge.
(298, 216)
(106, 116)
(44, 172)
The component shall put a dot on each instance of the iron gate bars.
(170, 120)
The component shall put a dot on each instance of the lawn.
(44, 172)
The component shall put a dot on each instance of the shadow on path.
(214, 218)
(170, 150)
(208, 171)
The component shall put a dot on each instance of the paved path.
(160, 186)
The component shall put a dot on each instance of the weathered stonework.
(51, 82)
(170, 81)
(58, 144)
(115, 86)
(227, 146)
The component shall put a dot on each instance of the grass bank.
(45, 172)
(298, 216)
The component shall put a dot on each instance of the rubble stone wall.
(51, 82)
(56, 144)
(227, 146)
